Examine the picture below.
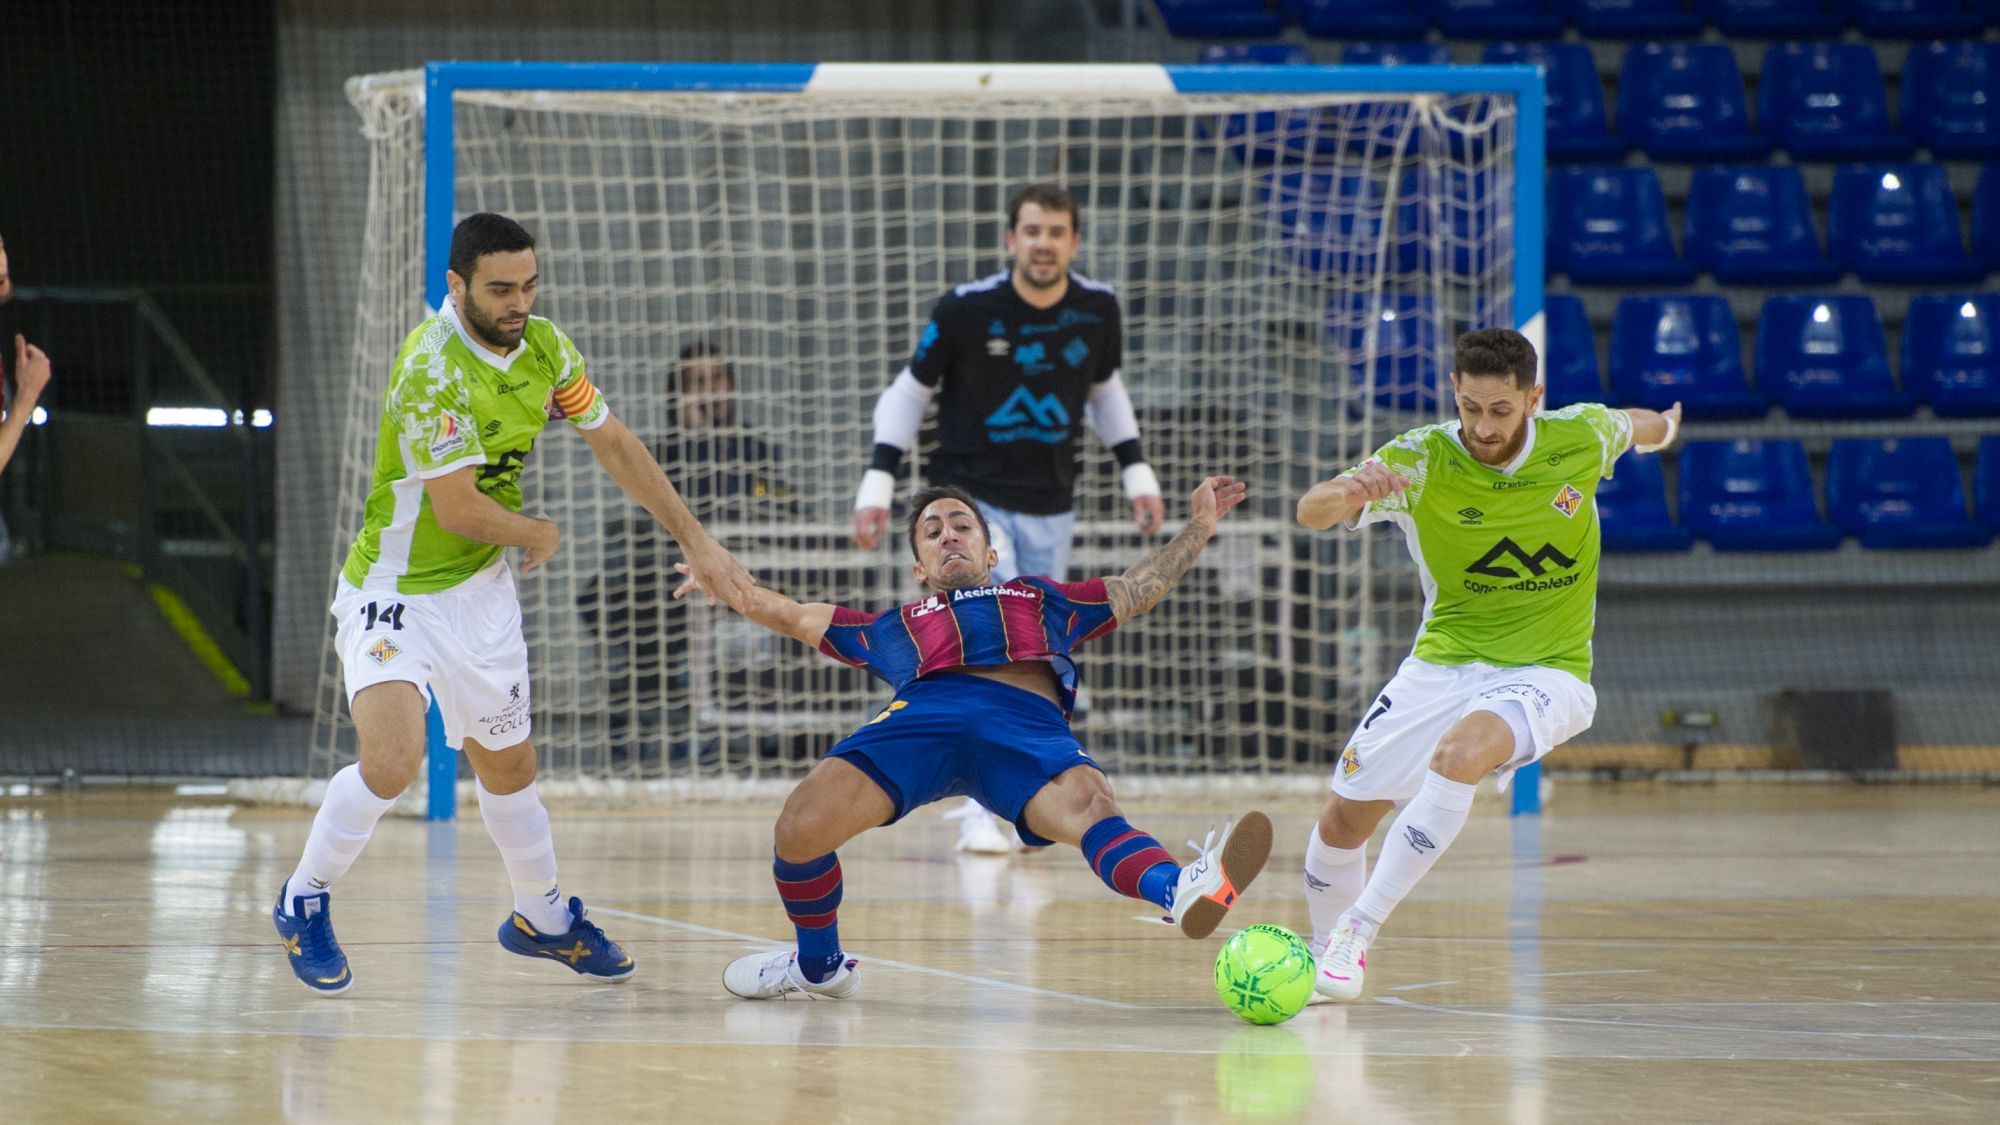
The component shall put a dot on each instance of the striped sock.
(811, 891)
(1131, 862)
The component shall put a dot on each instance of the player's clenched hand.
(544, 548)
(1214, 499)
(1148, 513)
(869, 524)
(716, 573)
(1376, 481)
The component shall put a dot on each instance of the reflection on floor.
(1740, 953)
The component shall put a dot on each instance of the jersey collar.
(1511, 467)
(497, 362)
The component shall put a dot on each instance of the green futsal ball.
(1265, 974)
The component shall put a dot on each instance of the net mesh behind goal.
(1292, 269)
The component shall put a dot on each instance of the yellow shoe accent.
(335, 980)
(291, 944)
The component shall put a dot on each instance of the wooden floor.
(1640, 953)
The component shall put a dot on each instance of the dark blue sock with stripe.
(1131, 862)
(811, 892)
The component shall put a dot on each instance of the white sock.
(519, 825)
(1419, 836)
(1333, 878)
(340, 829)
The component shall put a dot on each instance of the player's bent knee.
(1469, 759)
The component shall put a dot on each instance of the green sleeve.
(432, 411)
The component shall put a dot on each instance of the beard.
(488, 329)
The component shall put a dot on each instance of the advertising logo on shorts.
(512, 718)
(1350, 762)
(383, 651)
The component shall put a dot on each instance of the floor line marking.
(904, 965)
(1425, 984)
(1592, 973)
(1712, 1028)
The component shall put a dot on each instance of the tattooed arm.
(1140, 589)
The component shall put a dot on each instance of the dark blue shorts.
(954, 735)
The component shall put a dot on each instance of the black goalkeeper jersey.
(1012, 381)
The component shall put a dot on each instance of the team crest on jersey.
(1350, 762)
(447, 438)
(1568, 500)
(383, 651)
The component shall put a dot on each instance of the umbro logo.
(1419, 842)
(492, 428)
(1471, 515)
(1316, 884)
(998, 346)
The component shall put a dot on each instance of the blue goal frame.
(443, 80)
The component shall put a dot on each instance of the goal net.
(1294, 252)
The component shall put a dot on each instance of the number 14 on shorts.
(374, 614)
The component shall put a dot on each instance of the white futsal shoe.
(982, 833)
(768, 976)
(1341, 966)
(1221, 871)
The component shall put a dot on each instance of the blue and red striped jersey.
(976, 627)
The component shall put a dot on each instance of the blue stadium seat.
(1608, 226)
(1496, 19)
(1827, 357)
(1752, 225)
(1293, 135)
(1403, 329)
(1634, 19)
(1576, 126)
(1681, 349)
(1752, 496)
(1569, 355)
(1331, 222)
(1915, 19)
(1899, 223)
(1900, 492)
(1775, 19)
(1392, 53)
(1684, 101)
(1951, 99)
(1986, 216)
(1361, 19)
(1221, 19)
(1256, 54)
(1632, 508)
(1826, 101)
(1951, 353)
(1986, 481)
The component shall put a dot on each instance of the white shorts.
(463, 645)
(1389, 753)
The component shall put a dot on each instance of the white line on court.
(1529, 1017)
(1590, 973)
(768, 943)
(1425, 984)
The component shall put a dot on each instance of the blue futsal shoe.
(584, 948)
(309, 943)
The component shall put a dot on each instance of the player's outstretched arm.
(1341, 499)
(1652, 430)
(632, 466)
(804, 622)
(1141, 588)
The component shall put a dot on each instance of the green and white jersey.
(1508, 555)
(453, 404)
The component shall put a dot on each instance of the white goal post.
(1295, 248)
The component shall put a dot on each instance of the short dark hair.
(704, 348)
(485, 233)
(1495, 351)
(925, 497)
(1049, 197)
